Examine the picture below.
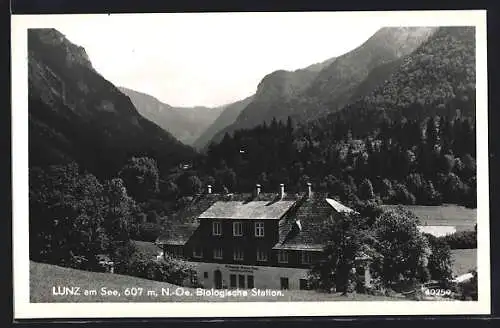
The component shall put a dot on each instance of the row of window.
(238, 281)
(237, 229)
(238, 255)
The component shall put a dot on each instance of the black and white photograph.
(250, 164)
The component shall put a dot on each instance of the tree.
(195, 185)
(402, 195)
(366, 190)
(403, 248)
(66, 216)
(119, 216)
(440, 262)
(430, 195)
(344, 237)
(170, 190)
(386, 191)
(141, 177)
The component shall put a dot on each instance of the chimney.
(282, 190)
(257, 189)
(309, 190)
(209, 189)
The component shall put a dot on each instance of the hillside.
(227, 117)
(436, 79)
(77, 115)
(320, 89)
(184, 123)
(274, 90)
(335, 85)
(43, 277)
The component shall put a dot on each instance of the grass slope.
(43, 277)
(464, 260)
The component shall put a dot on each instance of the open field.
(445, 215)
(44, 277)
(463, 260)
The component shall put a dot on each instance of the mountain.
(411, 139)
(75, 114)
(228, 116)
(184, 123)
(274, 90)
(335, 85)
(438, 78)
(320, 89)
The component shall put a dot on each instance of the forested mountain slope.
(77, 115)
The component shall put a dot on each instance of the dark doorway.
(284, 283)
(241, 281)
(250, 281)
(233, 280)
(218, 279)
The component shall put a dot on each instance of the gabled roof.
(183, 226)
(311, 212)
(242, 210)
(184, 223)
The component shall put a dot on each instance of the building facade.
(258, 240)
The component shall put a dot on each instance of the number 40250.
(437, 292)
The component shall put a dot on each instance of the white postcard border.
(23, 309)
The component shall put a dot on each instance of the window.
(238, 254)
(237, 229)
(194, 279)
(241, 281)
(284, 282)
(218, 253)
(232, 279)
(306, 258)
(259, 229)
(282, 256)
(197, 252)
(216, 228)
(261, 255)
(250, 281)
(205, 274)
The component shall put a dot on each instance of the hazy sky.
(208, 59)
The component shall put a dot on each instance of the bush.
(169, 270)
(147, 231)
(467, 290)
(461, 240)
(440, 263)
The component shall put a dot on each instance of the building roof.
(183, 225)
(300, 216)
(242, 210)
(311, 212)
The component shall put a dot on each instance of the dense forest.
(404, 161)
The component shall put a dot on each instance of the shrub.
(148, 231)
(467, 290)
(169, 270)
(440, 263)
(461, 240)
